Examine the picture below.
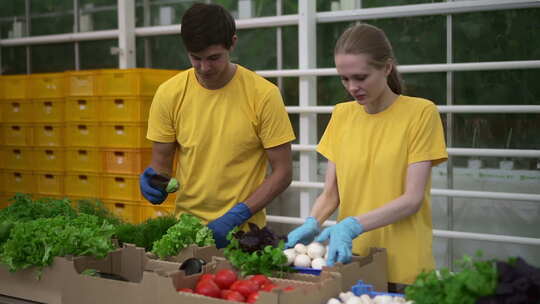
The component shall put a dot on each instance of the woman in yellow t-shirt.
(380, 150)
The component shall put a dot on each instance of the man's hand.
(153, 195)
(303, 234)
(341, 236)
(221, 226)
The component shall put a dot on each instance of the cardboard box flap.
(371, 269)
(128, 262)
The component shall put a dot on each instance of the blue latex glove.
(221, 226)
(341, 236)
(153, 195)
(303, 234)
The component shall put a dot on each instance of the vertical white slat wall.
(307, 59)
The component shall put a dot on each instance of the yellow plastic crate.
(125, 109)
(19, 110)
(125, 161)
(49, 85)
(120, 187)
(127, 210)
(17, 158)
(131, 82)
(49, 135)
(82, 184)
(81, 83)
(18, 134)
(82, 109)
(82, 134)
(123, 135)
(22, 181)
(48, 110)
(154, 211)
(13, 86)
(49, 183)
(49, 159)
(84, 159)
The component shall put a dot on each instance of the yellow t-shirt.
(223, 135)
(372, 153)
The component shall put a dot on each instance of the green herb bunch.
(189, 230)
(37, 242)
(23, 208)
(98, 209)
(257, 253)
(146, 233)
(476, 279)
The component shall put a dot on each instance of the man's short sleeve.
(275, 128)
(161, 125)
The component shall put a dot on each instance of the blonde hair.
(367, 39)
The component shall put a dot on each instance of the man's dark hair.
(204, 25)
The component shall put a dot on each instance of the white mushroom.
(344, 296)
(302, 260)
(290, 254)
(333, 301)
(316, 250)
(300, 248)
(318, 263)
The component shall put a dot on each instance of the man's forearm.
(163, 157)
(272, 186)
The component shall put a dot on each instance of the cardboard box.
(308, 288)
(25, 284)
(372, 269)
(50, 287)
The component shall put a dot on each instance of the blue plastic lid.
(307, 270)
(361, 288)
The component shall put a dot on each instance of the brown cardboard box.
(372, 269)
(49, 288)
(308, 288)
(122, 279)
(25, 284)
(173, 263)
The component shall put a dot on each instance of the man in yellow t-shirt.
(380, 150)
(228, 124)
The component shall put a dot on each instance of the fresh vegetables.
(25, 209)
(192, 266)
(517, 282)
(351, 298)
(476, 279)
(258, 251)
(37, 242)
(225, 278)
(187, 231)
(312, 255)
(146, 233)
(226, 284)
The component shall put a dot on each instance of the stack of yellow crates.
(17, 135)
(87, 138)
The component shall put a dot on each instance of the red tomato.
(268, 287)
(253, 297)
(208, 288)
(232, 295)
(224, 278)
(288, 288)
(245, 287)
(260, 279)
(207, 276)
(185, 290)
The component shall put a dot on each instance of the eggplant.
(192, 266)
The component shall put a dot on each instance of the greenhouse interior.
(178, 151)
